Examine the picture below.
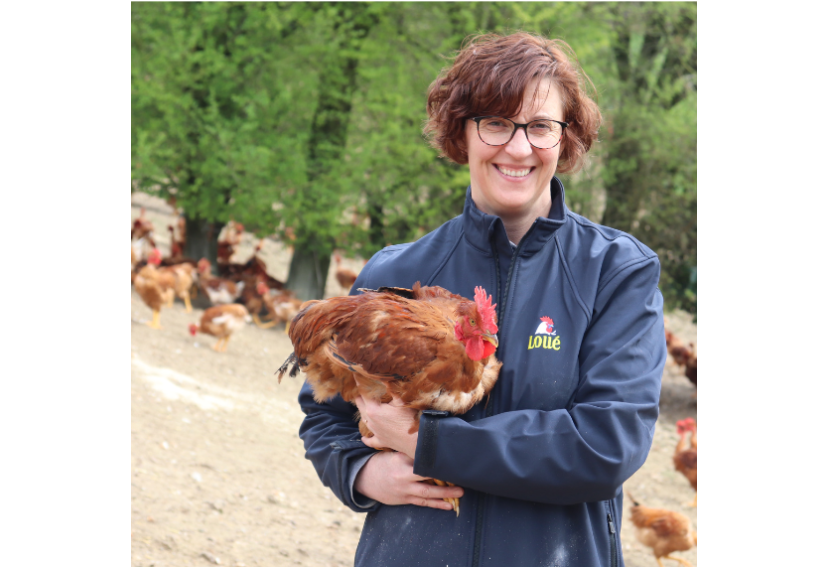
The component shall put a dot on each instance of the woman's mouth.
(514, 172)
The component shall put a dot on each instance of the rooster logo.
(545, 336)
(546, 326)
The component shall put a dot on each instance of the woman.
(540, 464)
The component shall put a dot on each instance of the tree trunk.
(307, 274)
(201, 240)
(311, 259)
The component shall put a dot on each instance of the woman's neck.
(518, 225)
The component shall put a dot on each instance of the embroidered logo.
(545, 336)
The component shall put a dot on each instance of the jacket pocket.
(612, 535)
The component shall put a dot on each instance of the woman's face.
(513, 180)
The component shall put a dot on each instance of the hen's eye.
(473, 322)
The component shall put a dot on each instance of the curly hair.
(489, 76)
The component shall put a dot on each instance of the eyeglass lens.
(497, 131)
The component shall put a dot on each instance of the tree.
(304, 120)
(209, 114)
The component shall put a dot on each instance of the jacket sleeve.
(582, 453)
(332, 441)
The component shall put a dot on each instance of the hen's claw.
(454, 501)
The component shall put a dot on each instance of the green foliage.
(308, 116)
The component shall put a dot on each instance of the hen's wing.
(388, 341)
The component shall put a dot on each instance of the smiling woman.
(518, 79)
(539, 465)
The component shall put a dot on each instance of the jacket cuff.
(358, 498)
(427, 448)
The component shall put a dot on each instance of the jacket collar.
(481, 229)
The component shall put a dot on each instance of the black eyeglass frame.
(516, 127)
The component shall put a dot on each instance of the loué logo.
(545, 336)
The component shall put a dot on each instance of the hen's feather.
(392, 342)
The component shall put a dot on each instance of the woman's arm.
(582, 453)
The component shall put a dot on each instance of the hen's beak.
(491, 338)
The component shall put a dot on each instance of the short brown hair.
(489, 76)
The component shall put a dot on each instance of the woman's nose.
(519, 146)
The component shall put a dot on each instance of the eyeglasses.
(498, 131)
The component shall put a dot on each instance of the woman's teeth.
(514, 173)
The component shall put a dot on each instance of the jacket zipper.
(613, 540)
(488, 410)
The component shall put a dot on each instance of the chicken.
(282, 308)
(679, 350)
(429, 347)
(345, 277)
(663, 531)
(222, 321)
(227, 244)
(154, 287)
(176, 245)
(252, 299)
(691, 369)
(184, 275)
(685, 458)
(141, 226)
(218, 290)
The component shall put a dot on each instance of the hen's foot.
(156, 322)
(454, 501)
(678, 559)
(262, 324)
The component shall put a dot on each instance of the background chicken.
(183, 276)
(426, 346)
(281, 308)
(678, 350)
(685, 458)
(345, 277)
(154, 287)
(218, 290)
(663, 531)
(222, 321)
(226, 244)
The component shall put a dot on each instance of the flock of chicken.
(663, 530)
(240, 293)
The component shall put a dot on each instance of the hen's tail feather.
(295, 367)
(633, 500)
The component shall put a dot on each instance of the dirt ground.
(218, 475)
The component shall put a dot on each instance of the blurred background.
(302, 122)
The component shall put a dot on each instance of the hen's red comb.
(486, 309)
(547, 320)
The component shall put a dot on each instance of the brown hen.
(222, 321)
(154, 287)
(685, 458)
(663, 531)
(430, 348)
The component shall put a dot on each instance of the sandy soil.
(218, 475)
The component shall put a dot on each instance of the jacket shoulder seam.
(621, 268)
(446, 259)
(571, 280)
(589, 225)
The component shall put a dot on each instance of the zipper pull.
(611, 528)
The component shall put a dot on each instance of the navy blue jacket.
(570, 418)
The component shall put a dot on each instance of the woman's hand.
(388, 477)
(390, 423)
